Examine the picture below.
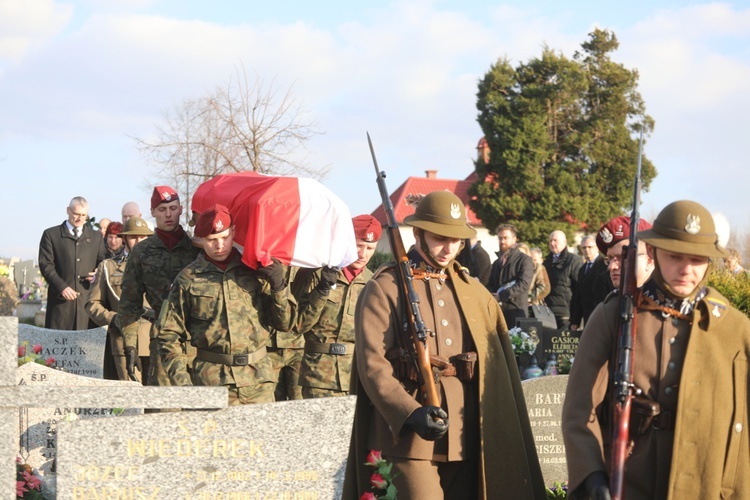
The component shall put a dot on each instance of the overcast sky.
(79, 79)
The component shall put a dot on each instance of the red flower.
(20, 488)
(33, 481)
(50, 361)
(21, 351)
(377, 481)
(37, 348)
(374, 458)
(368, 496)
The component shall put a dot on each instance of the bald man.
(562, 268)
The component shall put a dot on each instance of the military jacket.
(225, 312)
(104, 302)
(698, 373)
(326, 319)
(150, 271)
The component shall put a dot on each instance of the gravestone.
(25, 274)
(563, 341)
(79, 352)
(38, 426)
(13, 397)
(283, 450)
(544, 400)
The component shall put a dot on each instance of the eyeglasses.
(617, 259)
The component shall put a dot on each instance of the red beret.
(163, 194)
(215, 220)
(615, 231)
(367, 228)
(113, 228)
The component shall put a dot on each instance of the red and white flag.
(297, 220)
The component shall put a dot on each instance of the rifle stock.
(623, 389)
(414, 331)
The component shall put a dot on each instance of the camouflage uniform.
(225, 315)
(151, 269)
(327, 322)
(102, 306)
(285, 352)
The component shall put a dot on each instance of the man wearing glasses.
(68, 256)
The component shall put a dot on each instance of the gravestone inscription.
(78, 352)
(544, 400)
(231, 453)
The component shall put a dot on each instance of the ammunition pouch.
(403, 364)
(643, 413)
(465, 364)
(461, 366)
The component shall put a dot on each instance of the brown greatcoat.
(494, 423)
(698, 372)
(102, 306)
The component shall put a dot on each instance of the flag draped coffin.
(296, 220)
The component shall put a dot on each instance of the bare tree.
(241, 126)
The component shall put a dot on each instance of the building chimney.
(431, 174)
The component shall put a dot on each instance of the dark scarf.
(224, 263)
(171, 239)
(422, 269)
(654, 297)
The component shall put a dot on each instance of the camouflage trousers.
(317, 392)
(258, 393)
(286, 363)
(156, 373)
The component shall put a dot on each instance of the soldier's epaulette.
(383, 267)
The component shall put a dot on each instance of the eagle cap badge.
(692, 224)
(455, 211)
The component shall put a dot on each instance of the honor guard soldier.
(688, 431)
(224, 310)
(104, 302)
(152, 266)
(477, 443)
(327, 300)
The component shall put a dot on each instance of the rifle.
(623, 388)
(414, 329)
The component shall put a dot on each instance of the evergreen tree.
(563, 138)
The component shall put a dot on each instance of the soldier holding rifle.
(688, 431)
(471, 438)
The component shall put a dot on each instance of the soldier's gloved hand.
(274, 274)
(430, 422)
(596, 485)
(113, 323)
(328, 278)
(132, 361)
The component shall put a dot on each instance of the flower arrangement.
(33, 354)
(522, 342)
(36, 291)
(381, 480)
(564, 363)
(28, 484)
(559, 491)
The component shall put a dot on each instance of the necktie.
(587, 268)
(76, 232)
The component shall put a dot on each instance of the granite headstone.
(79, 352)
(38, 426)
(544, 400)
(283, 450)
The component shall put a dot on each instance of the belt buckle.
(239, 359)
(338, 349)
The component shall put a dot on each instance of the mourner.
(152, 266)
(478, 442)
(104, 301)
(327, 299)
(223, 309)
(689, 421)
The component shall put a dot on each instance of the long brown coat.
(65, 262)
(496, 414)
(698, 372)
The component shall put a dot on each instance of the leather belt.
(663, 421)
(231, 359)
(337, 348)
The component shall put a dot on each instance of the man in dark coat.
(562, 268)
(593, 284)
(68, 257)
(511, 276)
